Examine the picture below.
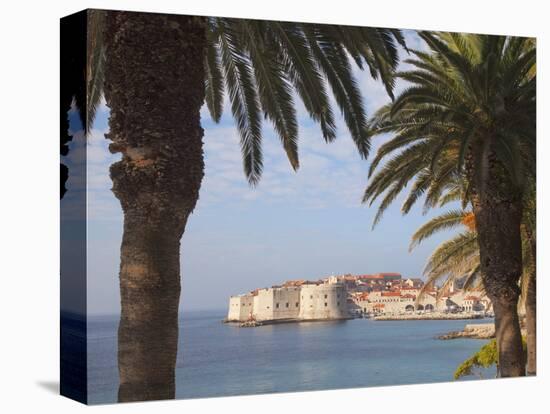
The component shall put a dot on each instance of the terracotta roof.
(471, 298)
(409, 296)
(298, 282)
(379, 276)
(391, 293)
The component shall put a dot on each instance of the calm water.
(219, 360)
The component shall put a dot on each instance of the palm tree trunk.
(531, 291)
(531, 324)
(498, 213)
(154, 85)
(150, 292)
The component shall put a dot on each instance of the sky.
(294, 225)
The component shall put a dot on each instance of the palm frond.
(274, 90)
(468, 85)
(304, 73)
(245, 105)
(95, 66)
(214, 82)
(334, 63)
(449, 220)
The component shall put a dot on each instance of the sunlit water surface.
(216, 359)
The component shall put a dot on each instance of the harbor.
(380, 297)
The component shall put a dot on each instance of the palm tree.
(469, 115)
(458, 257)
(156, 71)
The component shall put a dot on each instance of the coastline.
(428, 316)
(475, 331)
(255, 323)
(403, 317)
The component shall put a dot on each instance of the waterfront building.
(291, 302)
(342, 296)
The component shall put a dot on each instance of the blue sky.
(304, 224)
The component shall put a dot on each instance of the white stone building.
(241, 307)
(288, 303)
(393, 302)
(326, 301)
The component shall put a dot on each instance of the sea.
(217, 359)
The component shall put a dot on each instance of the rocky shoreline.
(472, 331)
(255, 323)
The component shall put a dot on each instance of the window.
(277, 306)
(326, 304)
(337, 303)
(326, 296)
(337, 295)
(297, 304)
(311, 296)
(287, 304)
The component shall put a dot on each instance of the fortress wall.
(263, 305)
(234, 312)
(286, 303)
(277, 303)
(327, 301)
(240, 307)
(256, 306)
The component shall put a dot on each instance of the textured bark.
(531, 324)
(498, 213)
(154, 87)
(531, 291)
